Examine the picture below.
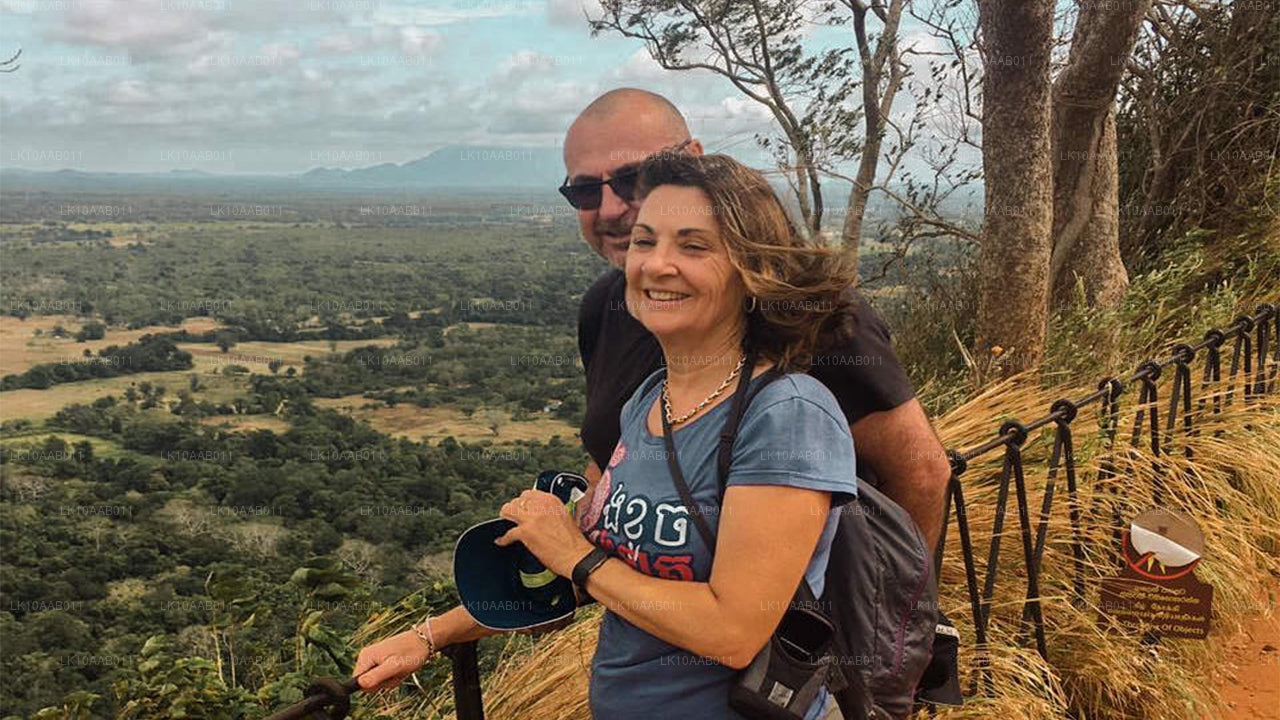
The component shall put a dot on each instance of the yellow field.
(256, 355)
(40, 404)
(248, 423)
(471, 326)
(102, 448)
(20, 348)
(435, 424)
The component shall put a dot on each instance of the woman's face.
(680, 283)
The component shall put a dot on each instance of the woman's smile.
(665, 299)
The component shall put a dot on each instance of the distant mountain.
(467, 168)
(454, 167)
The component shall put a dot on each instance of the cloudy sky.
(283, 86)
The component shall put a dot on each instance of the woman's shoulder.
(647, 387)
(794, 434)
(794, 390)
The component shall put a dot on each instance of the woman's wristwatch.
(587, 565)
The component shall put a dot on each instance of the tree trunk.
(1016, 113)
(1087, 229)
(851, 234)
(1086, 222)
(874, 109)
(802, 197)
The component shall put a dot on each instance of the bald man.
(897, 449)
(620, 129)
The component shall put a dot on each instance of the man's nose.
(612, 206)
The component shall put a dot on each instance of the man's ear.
(695, 148)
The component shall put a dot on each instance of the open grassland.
(40, 404)
(248, 423)
(257, 355)
(21, 347)
(34, 443)
(436, 423)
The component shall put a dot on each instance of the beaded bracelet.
(427, 638)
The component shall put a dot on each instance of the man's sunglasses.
(585, 193)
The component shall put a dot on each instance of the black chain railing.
(1252, 370)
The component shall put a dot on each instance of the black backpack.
(880, 585)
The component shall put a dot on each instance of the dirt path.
(1250, 683)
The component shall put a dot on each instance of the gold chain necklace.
(666, 397)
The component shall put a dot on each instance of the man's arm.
(592, 473)
(902, 450)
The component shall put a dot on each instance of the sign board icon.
(1157, 587)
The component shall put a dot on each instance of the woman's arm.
(386, 663)
(767, 535)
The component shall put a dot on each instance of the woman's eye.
(641, 240)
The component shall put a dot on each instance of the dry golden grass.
(437, 423)
(1229, 487)
(471, 326)
(35, 441)
(257, 355)
(248, 423)
(20, 349)
(39, 404)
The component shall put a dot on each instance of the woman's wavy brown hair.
(803, 289)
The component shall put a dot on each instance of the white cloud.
(522, 66)
(572, 13)
(400, 15)
(274, 81)
(147, 28)
(640, 66)
(341, 42)
(131, 92)
(418, 42)
(743, 108)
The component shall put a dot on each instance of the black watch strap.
(588, 565)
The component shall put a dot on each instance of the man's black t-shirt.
(618, 353)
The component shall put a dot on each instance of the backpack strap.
(838, 681)
(741, 400)
(742, 397)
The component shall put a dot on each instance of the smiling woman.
(709, 222)
(720, 277)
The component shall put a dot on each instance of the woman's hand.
(390, 661)
(544, 525)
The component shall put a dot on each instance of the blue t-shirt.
(792, 434)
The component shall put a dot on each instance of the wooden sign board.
(1157, 587)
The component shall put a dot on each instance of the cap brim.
(488, 580)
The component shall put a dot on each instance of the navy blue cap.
(506, 588)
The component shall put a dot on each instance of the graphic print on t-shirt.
(648, 535)
(592, 515)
